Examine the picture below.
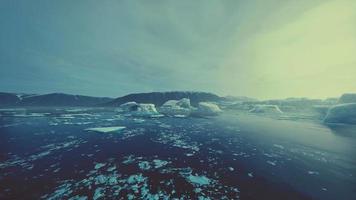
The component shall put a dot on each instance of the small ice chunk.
(100, 179)
(271, 162)
(129, 159)
(159, 163)
(99, 193)
(110, 169)
(139, 120)
(144, 165)
(231, 169)
(136, 178)
(250, 174)
(313, 172)
(99, 165)
(56, 170)
(180, 116)
(204, 198)
(198, 180)
(106, 129)
(278, 146)
(77, 197)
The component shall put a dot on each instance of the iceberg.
(106, 129)
(207, 109)
(269, 109)
(176, 107)
(145, 110)
(139, 109)
(347, 98)
(129, 106)
(342, 113)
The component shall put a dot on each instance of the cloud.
(309, 55)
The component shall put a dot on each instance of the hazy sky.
(263, 49)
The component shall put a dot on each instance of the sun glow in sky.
(312, 54)
(261, 48)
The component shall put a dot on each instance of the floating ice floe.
(273, 163)
(159, 163)
(156, 163)
(106, 129)
(77, 197)
(198, 180)
(99, 193)
(144, 165)
(129, 159)
(313, 172)
(99, 165)
(180, 116)
(342, 113)
(268, 109)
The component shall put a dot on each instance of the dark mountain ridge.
(53, 99)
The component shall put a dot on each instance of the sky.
(260, 48)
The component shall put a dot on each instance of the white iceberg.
(139, 109)
(207, 109)
(106, 129)
(268, 109)
(176, 107)
(145, 110)
(342, 113)
(129, 106)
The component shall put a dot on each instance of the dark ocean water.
(49, 154)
